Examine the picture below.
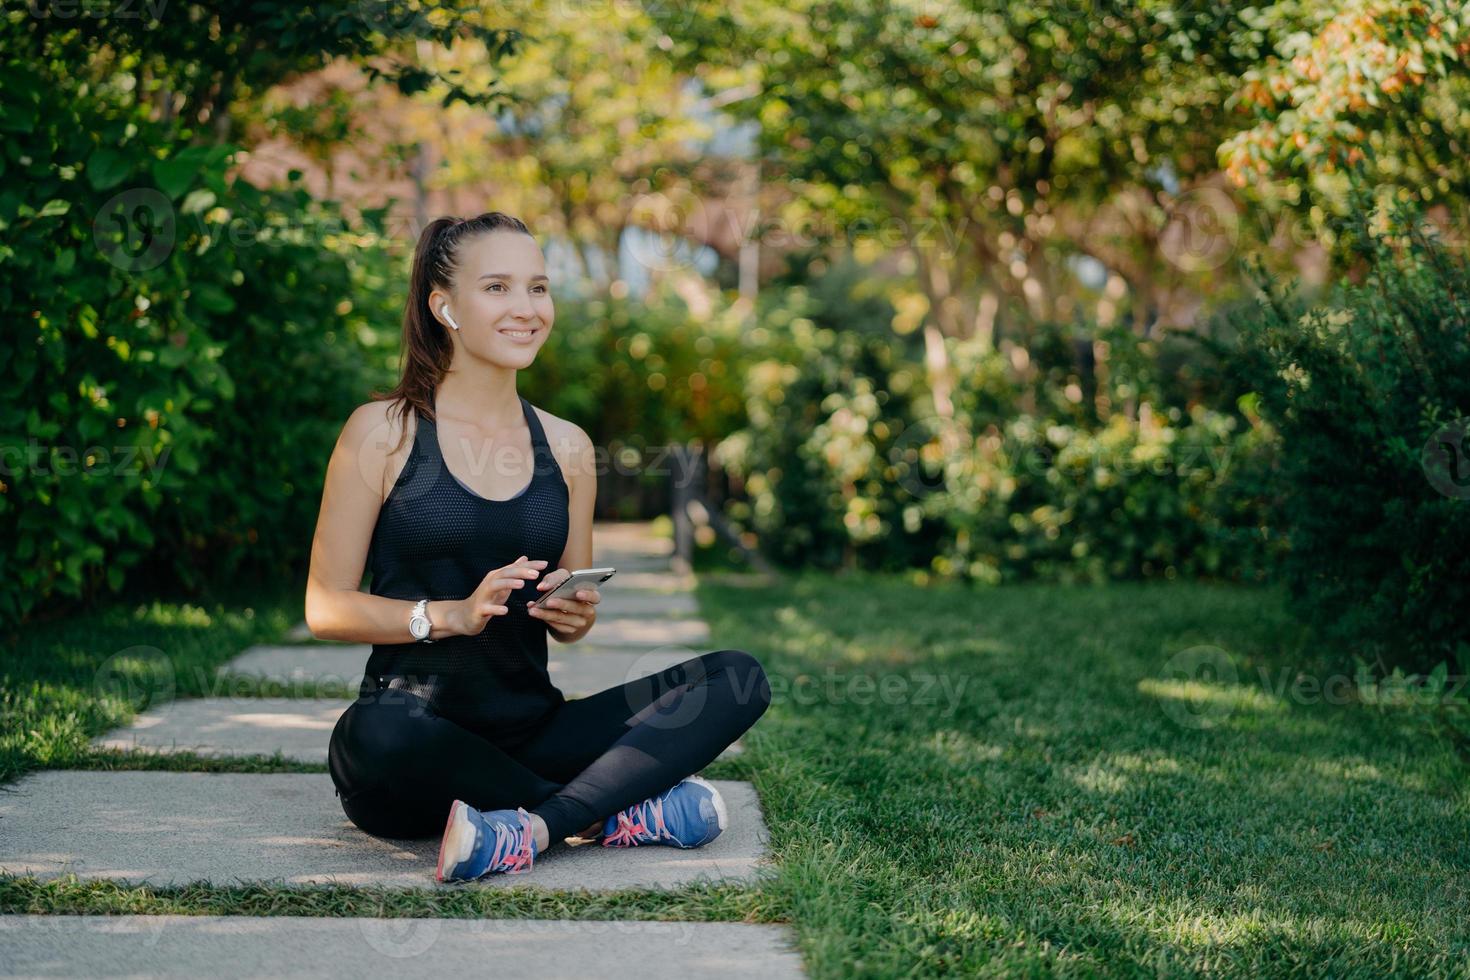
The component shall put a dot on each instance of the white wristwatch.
(418, 622)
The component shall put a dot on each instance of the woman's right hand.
(469, 616)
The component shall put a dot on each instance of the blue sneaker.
(476, 844)
(690, 814)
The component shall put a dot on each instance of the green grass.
(1056, 818)
(1023, 791)
(64, 681)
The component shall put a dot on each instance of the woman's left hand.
(566, 615)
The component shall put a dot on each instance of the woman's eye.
(496, 285)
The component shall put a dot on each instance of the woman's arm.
(336, 608)
(578, 462)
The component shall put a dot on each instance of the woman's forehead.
(508, 253)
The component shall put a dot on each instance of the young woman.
(457, 715)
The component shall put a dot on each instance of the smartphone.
(580, 579)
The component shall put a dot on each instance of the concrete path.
(291, 946)
(171, 828)
(637, 640)
(300, 729)
(579, 670)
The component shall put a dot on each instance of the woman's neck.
(489, 399)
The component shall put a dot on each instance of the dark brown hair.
(427, 349)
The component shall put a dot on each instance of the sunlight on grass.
(1071, 818)
(1208, 699)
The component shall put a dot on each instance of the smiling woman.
(457, 714)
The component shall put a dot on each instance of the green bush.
(1365, 388)
(181, 350)
(823, 407)
(844, 462)
(641, 373)
(1170, 495)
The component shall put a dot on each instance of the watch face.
(419, 628)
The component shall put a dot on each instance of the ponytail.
(427, 347)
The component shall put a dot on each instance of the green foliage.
(1365, 388)
(181, 349)
(1438, 702)
(208, 55)
(845, 462)
(641, 373)
(1166, 496)
(823, 406)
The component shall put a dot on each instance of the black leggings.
(398, 766)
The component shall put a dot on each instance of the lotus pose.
(457, 716)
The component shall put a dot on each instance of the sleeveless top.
(437, 539)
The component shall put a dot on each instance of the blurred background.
(975, 292)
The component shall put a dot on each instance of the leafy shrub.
(824, 408)
(844, 462)
(179, 359)
(643, 373)
(1160, 496)
(1365, 387)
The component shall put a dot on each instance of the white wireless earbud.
(445, 310)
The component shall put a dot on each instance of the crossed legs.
(398, 766)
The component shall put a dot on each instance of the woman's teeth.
(518, 333)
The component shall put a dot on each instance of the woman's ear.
(439, 308)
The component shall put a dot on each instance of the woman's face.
(501, 299)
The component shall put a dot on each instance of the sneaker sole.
(458, 840)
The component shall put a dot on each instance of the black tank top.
(436, 539)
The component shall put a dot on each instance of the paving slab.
(300, 729)
(644, 581)
(172, 828)
(629, 536)
(626, 563)
(646, 631)
(629, 602)
(298, 946)
(578, 672)
(336, 663)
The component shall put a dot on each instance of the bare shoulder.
(571, 446)
(379, 435)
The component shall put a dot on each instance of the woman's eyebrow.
(507, 275)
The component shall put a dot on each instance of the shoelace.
(641, 823)
(512, 851)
